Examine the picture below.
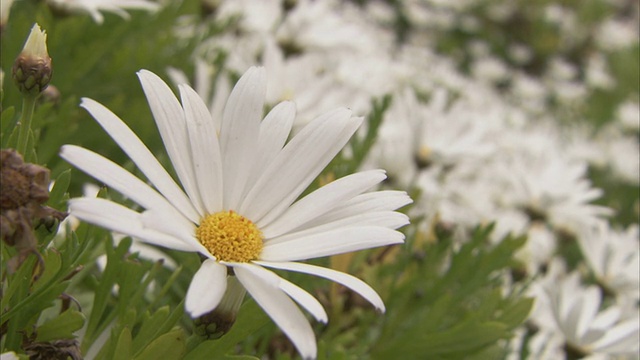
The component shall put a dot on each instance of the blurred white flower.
(616, 34)
(614, 258)
(5, 9)
(330, 26)
(597, 72)
(529, 92)
(490, 69)
(539, 249)
(259, 16)
(451, 133)
(628, 114)
(543, 345)
(586, 327)
(94, 7)
(394, 149)
(551, 187)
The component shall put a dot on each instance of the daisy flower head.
(239, 205)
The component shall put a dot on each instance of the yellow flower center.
(230, 237)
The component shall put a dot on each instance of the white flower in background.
(203, 83)
(450, 134)
(256, 16)
(394, 149)
(617, 34)
(94, 7)
(455, 197)
(621, 154)
(5, 9)
(238, 208)
(614, 258)
(490, 69)
(586, 327)
(550, 187)
(543, 345)
(330, 26)
(529, 92)
(628, 114)
(597, 72)
(539, 249)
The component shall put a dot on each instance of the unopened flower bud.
(219, 321)
(32, 68)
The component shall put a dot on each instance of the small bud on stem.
(32, 68)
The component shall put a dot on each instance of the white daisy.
(586, 327)
(238, 208)
(614, 258)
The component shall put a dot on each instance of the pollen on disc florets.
(230, 237)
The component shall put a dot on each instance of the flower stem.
(28, 106)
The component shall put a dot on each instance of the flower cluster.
(496, 142)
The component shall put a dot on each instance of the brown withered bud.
(55, 350)
(24, 188)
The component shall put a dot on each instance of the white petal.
(263, 286)
(330, 242)
(206, 289)
(141, 156)
(322, 201)
(239, 133)
(623, 338)
(306, 300)
(115, 217)
(170, 119)
(388, 219)
(347, 280)
(298, 164)
(167, 224)
(116, 177)
(207, 162)
(368, 202)
(274, 131)
(590, 307)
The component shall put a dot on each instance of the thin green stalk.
(28, 107)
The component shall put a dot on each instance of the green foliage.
(61, 327)
(456, 307)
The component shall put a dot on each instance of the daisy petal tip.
(147, 76)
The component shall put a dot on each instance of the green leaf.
(150, 326)
(516, 313)
(463, 338)
(52, 264)
(168, 346)
(57, 194)
(123, 347)
(61, 327)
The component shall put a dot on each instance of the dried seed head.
(59, 349)
(24, 188)
(22, 184)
